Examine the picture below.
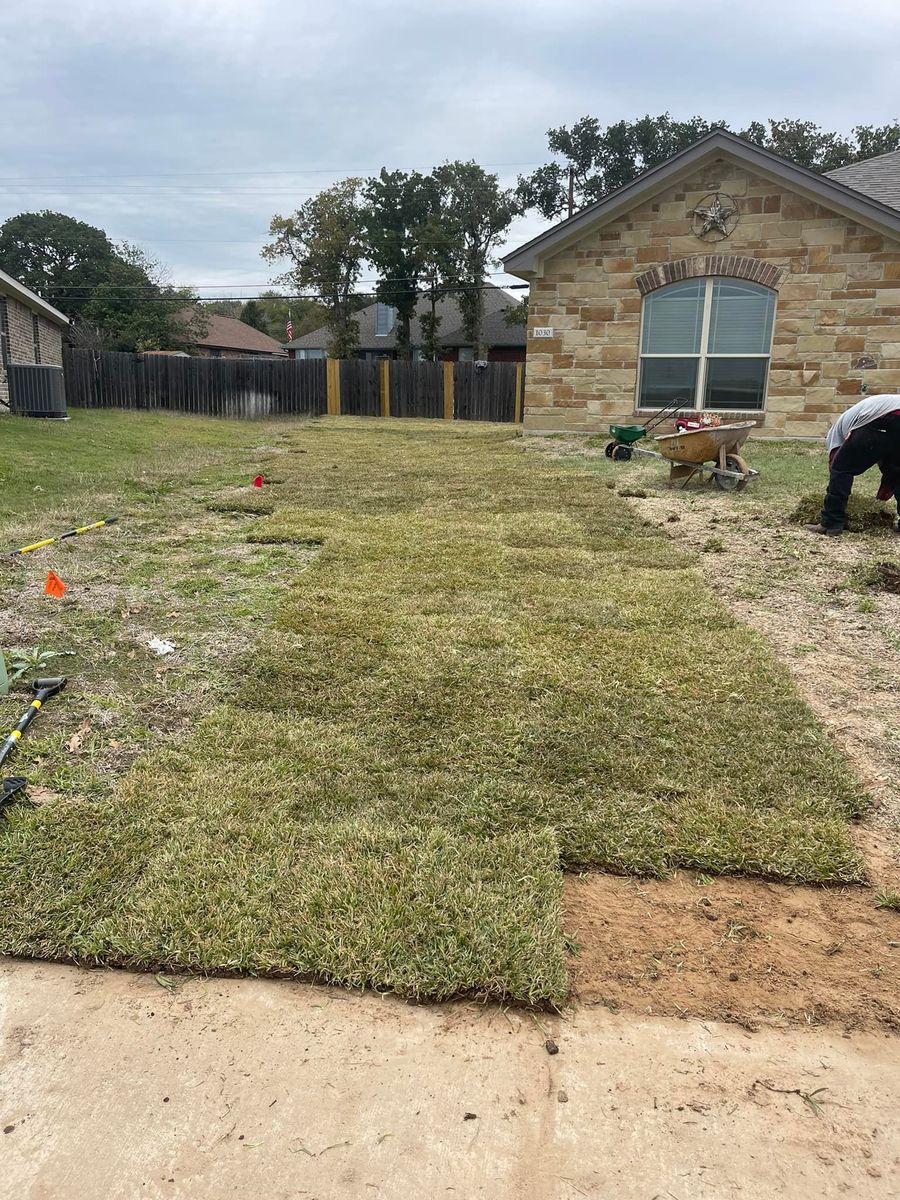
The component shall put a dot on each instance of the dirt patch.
(734, 950)
(883, 576)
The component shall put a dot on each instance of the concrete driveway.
(113, 1086)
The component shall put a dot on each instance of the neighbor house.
(227, 337)
(377, 322)
(31, 330)
(727, 277)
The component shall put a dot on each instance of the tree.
(116, 296)
(395, 214)
(58, 257)
(224, 308)
(803, 142)
(305, 314)
(251, 313)
(477, 213)
(516, 315)
(437, 241)
(872, 140)
(135, 308)
(325, 242)
(603, 159)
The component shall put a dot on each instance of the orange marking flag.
(258, 481)
(53, 585)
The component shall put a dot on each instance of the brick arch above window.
(735, 265)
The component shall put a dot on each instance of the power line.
(444, 291)
(131, 287)
(206, 174)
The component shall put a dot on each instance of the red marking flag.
(258, 481)
(53, 585)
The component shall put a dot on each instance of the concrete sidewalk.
(112, 1086)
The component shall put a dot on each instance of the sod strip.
(424, 914)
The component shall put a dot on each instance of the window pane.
(741, 318)
(738, 383)
(664, 379)
(673, 319)
(385, 315)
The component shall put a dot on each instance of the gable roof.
(826, 190)
(228, 333)
(496, 302)
(495, 330)
(877, 177)
(12, 287)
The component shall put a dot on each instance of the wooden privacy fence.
(259, 387)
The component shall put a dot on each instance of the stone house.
(726, 276)
(31, 330)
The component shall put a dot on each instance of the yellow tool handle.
(35, 546)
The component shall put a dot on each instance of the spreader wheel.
(733, 462)
(620, 453)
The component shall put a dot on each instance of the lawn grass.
(487, 666)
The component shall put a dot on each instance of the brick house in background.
(227, 337)
(31, 330)
(726, 275)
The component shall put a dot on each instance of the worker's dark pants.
(877, 442)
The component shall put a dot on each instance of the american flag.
(290, 329)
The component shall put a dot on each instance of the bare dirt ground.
(735, 950)
(114, 1086)
(800, 955)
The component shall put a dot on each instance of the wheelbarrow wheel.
(620, 453)
(725, 483)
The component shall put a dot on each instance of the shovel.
(43, 690)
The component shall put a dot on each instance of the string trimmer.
(43, 690)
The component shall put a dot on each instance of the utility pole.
(571, 190)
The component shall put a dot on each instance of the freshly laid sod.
(489, 668)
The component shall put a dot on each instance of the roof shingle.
(228, 333)
(877, 177)
(497, 333)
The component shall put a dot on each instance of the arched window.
(708, 340)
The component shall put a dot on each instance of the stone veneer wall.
(838, 287)
(21, 339)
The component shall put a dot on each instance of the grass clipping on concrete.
(490, 668)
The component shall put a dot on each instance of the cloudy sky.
(183, 125)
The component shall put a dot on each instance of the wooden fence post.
(448, 391)
(385, 370)
(520, 378)
(333, 387)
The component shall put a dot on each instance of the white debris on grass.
(161, 647)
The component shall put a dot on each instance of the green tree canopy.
(395, 215)
(305, 314)
(603, 158)
(324, 240)
(476, 213)
(116, 296)
(58, 257)
(135, 309)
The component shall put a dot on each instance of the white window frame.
(703, 355)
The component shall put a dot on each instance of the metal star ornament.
(715, 217)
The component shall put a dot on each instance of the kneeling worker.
(866, 434)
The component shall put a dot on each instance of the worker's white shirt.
(862, 413)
